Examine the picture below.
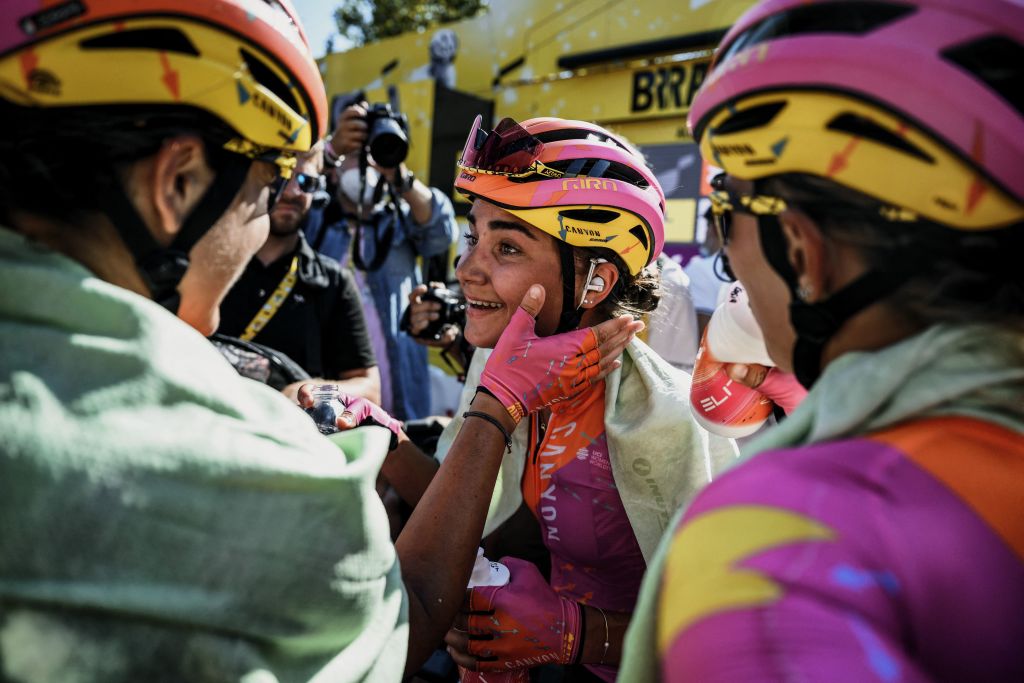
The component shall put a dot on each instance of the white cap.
(733, 335)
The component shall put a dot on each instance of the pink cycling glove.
(330, 405)
(523, 623)
(526, 372)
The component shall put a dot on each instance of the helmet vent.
(165, 39)
(998, 62)
(577, 134)
(855, 18)
(599, 168)
(869, 130)
(638, 232)
(619, 171)
(590, 215)
(266, 77)
(755, 117)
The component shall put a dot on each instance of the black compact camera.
(387, 135)
(453, 312)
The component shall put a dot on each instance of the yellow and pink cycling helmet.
(117, 76)
(574, 180)
(915, 106)
(246, 62)
(916, 103)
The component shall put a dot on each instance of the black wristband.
(583, 634)
(494, 421)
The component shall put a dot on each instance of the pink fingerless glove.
(526, 372)
(363, 412)
(523, 623)
(783, 388)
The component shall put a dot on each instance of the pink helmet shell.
(626, 187)
(547, 124)
(902, 65)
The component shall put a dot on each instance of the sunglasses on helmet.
(508, 150)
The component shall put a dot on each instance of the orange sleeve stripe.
(980, 462)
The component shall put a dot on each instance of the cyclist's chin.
(484, 334)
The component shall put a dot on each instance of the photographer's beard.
(288, 214)
(351, 184)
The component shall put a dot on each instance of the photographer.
(436, 317)
(388, 219)
(320, 322)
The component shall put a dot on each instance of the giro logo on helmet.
(468, 177)
(737, 61)
(589, 184)
(50, 17)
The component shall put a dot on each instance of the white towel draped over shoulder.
(660, 457)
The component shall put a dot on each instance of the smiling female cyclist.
(567, 206)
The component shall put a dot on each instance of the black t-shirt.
(320, 325)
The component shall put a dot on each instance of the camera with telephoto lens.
(453, 312)
(387, 137)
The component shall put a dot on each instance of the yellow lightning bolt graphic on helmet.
(702, 572)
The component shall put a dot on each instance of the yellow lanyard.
(268, 309)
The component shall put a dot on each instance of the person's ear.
(179, 178)
(601, 284)
(808, 254)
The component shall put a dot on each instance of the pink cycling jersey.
(897, 556)
(568, 484)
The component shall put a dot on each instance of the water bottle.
(719, 404)
(326, 408)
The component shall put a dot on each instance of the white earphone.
(595, 283)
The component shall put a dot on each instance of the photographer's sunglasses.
(308, 183)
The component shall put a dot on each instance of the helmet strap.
(162, 268)
(816, 323)
(570, 317)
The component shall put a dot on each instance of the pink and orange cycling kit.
(568, 484)
(897, 556)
